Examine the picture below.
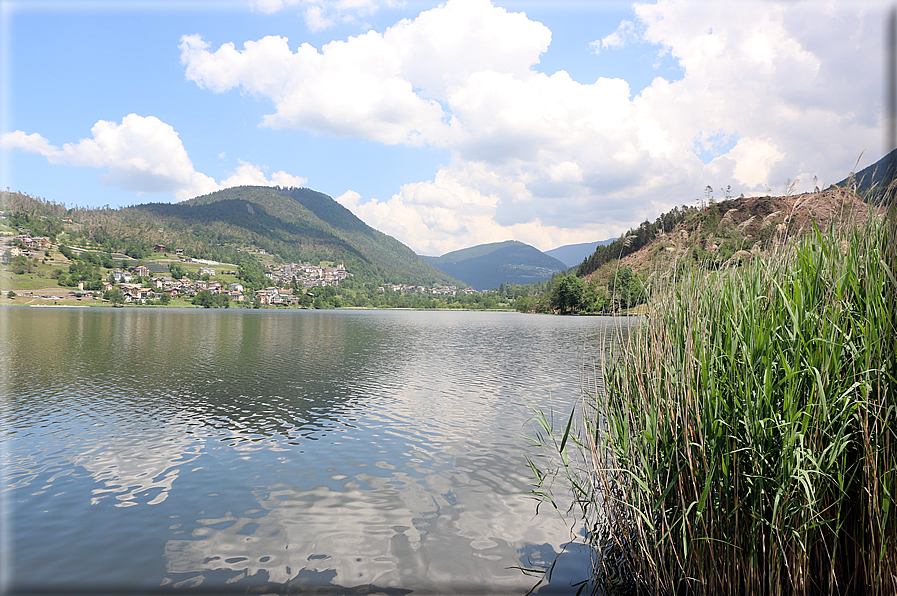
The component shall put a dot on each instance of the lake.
(240, 451)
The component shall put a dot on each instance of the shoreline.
(71, 304)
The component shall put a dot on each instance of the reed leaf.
(744, 437)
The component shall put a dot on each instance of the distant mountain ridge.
(574, 254)
(871, 182)
(487, 266)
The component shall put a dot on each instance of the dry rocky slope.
(728, 231)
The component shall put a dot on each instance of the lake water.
(151, 450)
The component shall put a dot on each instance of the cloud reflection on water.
(378, 449)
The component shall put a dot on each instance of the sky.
(443, 124)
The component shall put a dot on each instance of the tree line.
(633, 240)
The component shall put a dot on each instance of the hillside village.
(285, 279)
(289, 283)
(181, 254)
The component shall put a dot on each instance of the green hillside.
(291, 224)
(487, 266)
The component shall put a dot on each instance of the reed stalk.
(744, 440)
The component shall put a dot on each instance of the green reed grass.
(745, 438)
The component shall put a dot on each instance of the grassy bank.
(745, 440)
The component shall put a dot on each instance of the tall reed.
(745, 439)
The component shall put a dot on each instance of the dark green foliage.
(39, 226)
(220, 300)
(85, 267)
(114, 295)
(252, 274)
(208, 299)
(203, 298)
(177, 270)
(82, 271)
(568, 294)
(326, 209)
(625, 289)
(111, 241)
(22, 264)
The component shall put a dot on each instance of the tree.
(252, 274)
(204, 299)
(21, 264)
(220, 300)
(568, 294)
(177, 270)
(626, 288)
(10, 294)
(166, 298)
(115, 296)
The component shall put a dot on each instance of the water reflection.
(369, 450)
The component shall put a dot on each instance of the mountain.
(573, 254)
(487, 266)
(293, 224)
(871, 182)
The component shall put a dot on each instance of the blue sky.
(442, 124)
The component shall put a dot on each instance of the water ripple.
(377, 449)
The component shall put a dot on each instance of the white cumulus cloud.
(768, 90)
(349, 89)
(440, 215)
(248, 174)
(141, 155)
(624, 34)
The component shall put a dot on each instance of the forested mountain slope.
(573, 254)
(871, 182)
(293, 224)
(487, 266)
